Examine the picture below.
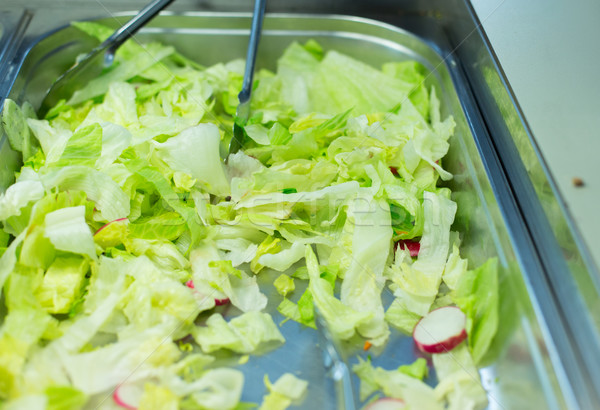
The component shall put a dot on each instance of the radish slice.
(441, 330)
(413, 247)
(128, 395)
(386, 403)
(190, 284)
(221, 302)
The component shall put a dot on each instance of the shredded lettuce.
(286, 390)
(396, 384)
(126, 230)
(477, 295)
(460, 385)
(243, 334)
(417, 369)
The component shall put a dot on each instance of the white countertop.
(550, 53)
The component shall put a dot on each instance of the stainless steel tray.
(529, 370)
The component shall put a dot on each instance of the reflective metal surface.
(101, 57)
(534, 362)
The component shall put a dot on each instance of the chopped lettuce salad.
(131, 250)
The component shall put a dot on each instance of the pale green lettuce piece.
(64, 397)
(119, 107)
(14, 123)
(284, 259)
(364, 280)
(157, 296)
(22, 328)
(297, 68)
(115, 139)
(153, 176)
(105, 291)
(417, 369)
(53, 139)
(455, 268)
(62, 284)
(195, 151)
(164, 226)
(37, 250)
(336, 83)
(429, 142)
(108, 197)
(284, 284)
(147, 56)
(363, 87)
(393, 383)
(342, 320)
(416, 284)
(8, 259)
(459, 383)
(68, 231)
(333, 192)
(299, 174)
(269, 245)
(241, 169)
(18, 196)
(286, 390)
(156, 397)
(248, 333)
(415, 73)
(163, 253)
(477, 295)
(218, 279)
(401, 318)
(258, 133)
(83, 147)
(29, 402)
(219, 388)
(133, 358)
(241, 250)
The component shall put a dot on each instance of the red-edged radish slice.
(441, 330)
(221, 302)
(386, 403)
(112, 233)
(190, 284)
(128, 395)
(412, 246)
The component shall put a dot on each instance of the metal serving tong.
(335, 365)
(90, 66)
(243, 109)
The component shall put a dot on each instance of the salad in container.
(143, 268)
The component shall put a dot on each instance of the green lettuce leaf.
(417, 369)
(68, 231)
(218, 279)
(477, 295)
(247, 333)
(195, 151)
(341, 319)
(83, 147)
(416, 284)
(396, 384)
(286, 390)
(363, 280)
(14, 123)
(62, 284)
(284, 284)
(459, 384)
